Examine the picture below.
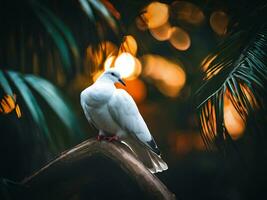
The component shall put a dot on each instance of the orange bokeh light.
(96, 56)
(129, 45)
(128, 66)
(167, 76)
(156, 14)
(179, 39)
(8, 104)
(97, 74)
(187, 12)
(219, 22)
(141, 23)
(136, 88)
(234, 124)
(161, 33)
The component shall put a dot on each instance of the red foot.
(107, 138)
(100, 137)
(113, 138)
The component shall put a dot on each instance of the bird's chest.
(104, 121)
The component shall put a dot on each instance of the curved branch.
(83, 164)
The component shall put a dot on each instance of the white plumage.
(113, 112)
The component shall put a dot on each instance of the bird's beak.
(122, 82)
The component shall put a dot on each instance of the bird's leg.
(107, 138)
(112, 138)
(100, 137)
(103, 136)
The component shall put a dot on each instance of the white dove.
(114, 113)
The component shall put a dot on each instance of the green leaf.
(55, 34)
(55, 100)
(240, 62)
(65, 31)
(105, 13)
(87, 9)
(31, 103)
(4, 84)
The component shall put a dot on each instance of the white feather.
(113, 111)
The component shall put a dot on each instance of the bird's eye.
(112, 74)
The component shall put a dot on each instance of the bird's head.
(112, 75)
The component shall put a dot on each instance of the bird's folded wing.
(87, 114)
(125, 113)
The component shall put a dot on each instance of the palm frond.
(38, 38)
(54, 99)
(31, 102)
(55, 34)
(87, 9)
(236, 74)
(5, 85)
(61, 34)
(100, 8)
(22, 85)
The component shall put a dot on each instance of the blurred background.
(51, 50)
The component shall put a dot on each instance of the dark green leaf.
(55, 100)
(87, 9)
(65, 31)
(55, 34)
(240, 63)
(105, 13)
(31, 103)
(4, 84)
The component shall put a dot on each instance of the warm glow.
(234, 124)
(136, 88)
(219, 22)
(180, 39)
(184, 142)
(129, 45)
(207, 61)
(137, 69)
(8, 104)
(167, 76)
(205, 67)
(128, 66)
(18, 112)
(251, 98)
(156, 14)
(97, 74)
(161, 33)
(109, 62)
(96, 56)
(125, 64)
(187, 12)
(141, 23)
(111, 9)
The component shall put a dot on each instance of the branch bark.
(93, 167)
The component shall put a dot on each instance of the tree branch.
(93, 167)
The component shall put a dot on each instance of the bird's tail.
(150, 159)
(158, 163)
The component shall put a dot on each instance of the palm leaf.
(39, 40)
(237, 72)
(45, 17)
(5, 85)
(54, 98)
(31, 102)
(87, 9)
(58, 24)
(51, 95)
(100, 8)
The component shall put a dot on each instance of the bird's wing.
(86, 108)
(125, 113)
